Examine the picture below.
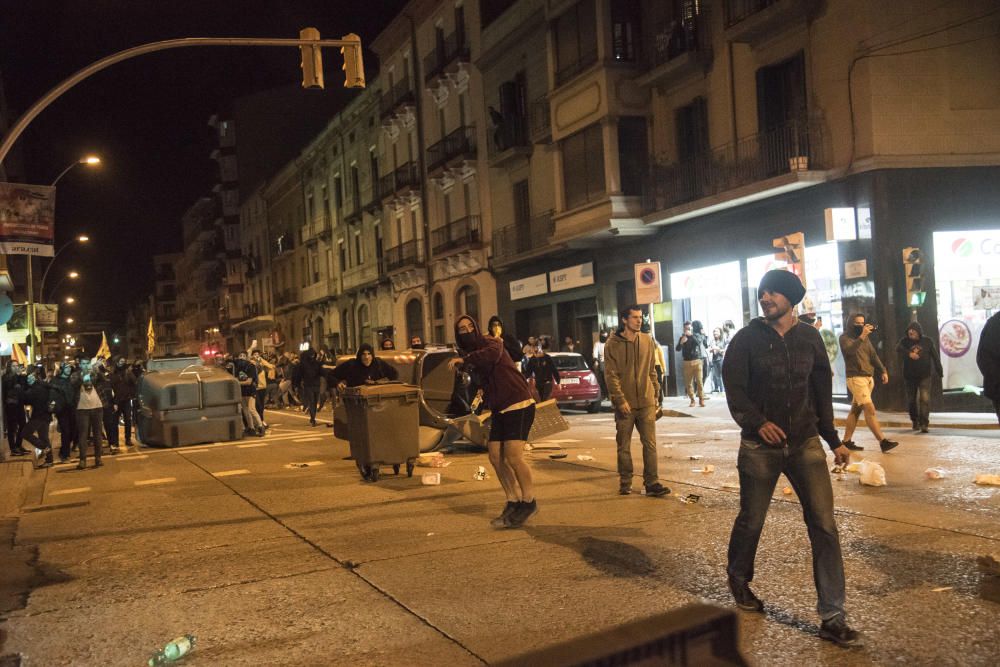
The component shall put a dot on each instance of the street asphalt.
(273, 551)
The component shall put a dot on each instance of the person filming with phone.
(862, 362)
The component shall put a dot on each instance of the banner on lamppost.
(27, 219)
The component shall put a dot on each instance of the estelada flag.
(150, 338)
(17, 354)
(104, 352)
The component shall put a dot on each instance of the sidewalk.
(716, 408)
(14, 477)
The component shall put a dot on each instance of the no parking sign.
(648, 287)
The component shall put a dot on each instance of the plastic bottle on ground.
(175, 650)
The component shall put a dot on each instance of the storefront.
(710, 295)
(967, 277)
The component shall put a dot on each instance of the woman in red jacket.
(506, 394)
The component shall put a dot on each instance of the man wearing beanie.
(861, 362)
(779, 388)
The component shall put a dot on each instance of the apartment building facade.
(163, 307)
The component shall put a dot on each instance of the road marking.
(312, 439)
(558, 441)
(230, 473)
(195, 451)
(253, 444)
(680, 435)
(609, 437)
(131, 457)
(161, 480)
(66, 492)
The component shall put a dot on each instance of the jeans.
(88, 427)
(919, 394)
(693, 379)
(643, 419)
(259, 399)
(67, 431)
(36, 432)
(15, 418)
(110, 425)
(124, 412)
(805, 466)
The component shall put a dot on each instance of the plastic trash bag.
(872, 474)
(935, 473)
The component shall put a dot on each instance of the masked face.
(857, 325)
(32, 379)
(88, 382)
(912, 335)
(121, 363)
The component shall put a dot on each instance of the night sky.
(147, 117)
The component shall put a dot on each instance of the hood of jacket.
(915, 326)
(365, 347)
(475, 329)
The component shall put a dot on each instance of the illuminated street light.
(89, 160)
(70, 299)
(72, 274)
(69, 320)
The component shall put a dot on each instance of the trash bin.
(383, 423)
(193, 405)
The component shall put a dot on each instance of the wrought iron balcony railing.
(457, 234)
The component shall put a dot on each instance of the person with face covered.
(14, 385)
(495, 328)
(37, 397)
(779, 388)
(861, 363)
(107, 393)
(89, 413)
(506, 394)
(921, 362)
(65, 396)
(365, 368)
(308, 375)
(124, 385)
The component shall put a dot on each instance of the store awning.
(259, 322)
(772, 187)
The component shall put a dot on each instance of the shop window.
(583, 166)
(575, 33)
(967, 278)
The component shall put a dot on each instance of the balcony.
(754, 21)
(252, 310)
(405, 255)
(521, 239)
(406, 176)
(399, 95)
(793, 147)
(352, 209)
(454, 48)
(315, 293)
(287, 299)
(678, 53)
(459, 144)
(509, 140)
(540, 125)
(457, 235)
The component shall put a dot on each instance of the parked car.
(578, 386)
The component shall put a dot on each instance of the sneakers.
(851, 446)
(887, 444)
(744, 597)
(521, 513)
(691, 404)
(701, 403)
(508, 509)
(656, 490)
(19, 452)
(837, 631)
(625, 489)
(924, 429)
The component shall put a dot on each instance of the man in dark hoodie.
(365, 368)
(36, 431)
(780, 391)
(988, 360)
(921, 362)
(506, 394)
(307, 376)
(66, 394)
(125, 385)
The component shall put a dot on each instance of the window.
(692, 129)
(338, 193)
(358, 254)
(632, 152)
(355, 186)
(364, 326)
(311, 207)
(625, 19)
(342, 255)
(583, 166)
(522, 203)
(303, 274)
(490, 10)
(781, 93)
(467, 302)
(575, 40)
(326, 207)
(414, 319)
(460, 25)
(314, 260)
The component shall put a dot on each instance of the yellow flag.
(17, 354)
(104, 352)
(150, 338)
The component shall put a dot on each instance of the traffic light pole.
(93, 68)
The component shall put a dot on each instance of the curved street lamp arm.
(97, 66)
(41, 285)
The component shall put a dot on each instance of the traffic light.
(913, 270)
(312, 60)
(354, 67)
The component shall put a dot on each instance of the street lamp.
(70, 299)
(69, 320)
(82, 238)
(89, 160)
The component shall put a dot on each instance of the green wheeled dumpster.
(383, 422)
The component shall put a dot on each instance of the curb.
(15, 476)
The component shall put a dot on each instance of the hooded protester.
(496, 329)
(37, 397)
(506, 394)
(543, 369)
(988, 360)
(89, 409)
(64, 397)
(921, 362)
(365, 368)
(14, 386)
(125, 385)
(307, 376)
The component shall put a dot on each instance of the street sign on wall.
(579, 275)
(27, 219)
(530, 286)
(648, 283)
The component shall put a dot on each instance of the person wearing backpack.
(36, 398)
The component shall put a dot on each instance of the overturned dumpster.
(196, 404)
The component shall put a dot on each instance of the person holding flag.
(150, 338)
